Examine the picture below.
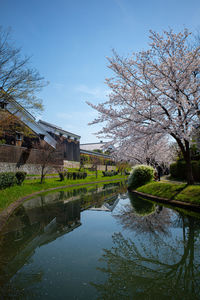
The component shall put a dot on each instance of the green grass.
(181, 192)
(9, 195)
(190, 194)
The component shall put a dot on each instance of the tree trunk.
(185, 149)
(190, 178)
(42, 175)
(96, 172)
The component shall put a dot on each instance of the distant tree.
(18, 81)
(49, 157)
(95, 163)
(122, 165)
(146, 150)
(156, 91)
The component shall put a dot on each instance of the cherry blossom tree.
(146, 149)
(154, 92)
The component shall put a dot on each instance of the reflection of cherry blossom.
(159, 269)
(157, 221)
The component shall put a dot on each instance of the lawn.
(181, 192)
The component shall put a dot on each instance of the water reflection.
(49, 249)
(144, 216)
(152, 266)
(40, 221)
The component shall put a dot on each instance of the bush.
(20, 177)
(140, 175)
(61, 175)
(7, 179)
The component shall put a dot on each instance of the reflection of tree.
(144, 216)
(159, 270)
(19, 288)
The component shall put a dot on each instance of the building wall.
(14, 158)
(71, 150)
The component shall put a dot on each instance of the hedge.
(178, 170)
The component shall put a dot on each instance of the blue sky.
(69, 41)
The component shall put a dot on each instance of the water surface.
(99, 242)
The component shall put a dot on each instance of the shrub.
(7, 179)
(140, 175)
(76, 175)
(20, 177)
(62, 175)
(109, 173)
(69, 175)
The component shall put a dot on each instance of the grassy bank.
(9, 195)
(181, 192)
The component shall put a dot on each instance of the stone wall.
(71, 164)
(74, 164)
(101, 167)
(28, 168)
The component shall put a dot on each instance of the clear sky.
(69, 41)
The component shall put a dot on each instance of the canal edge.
(172, 202)
(5, 214)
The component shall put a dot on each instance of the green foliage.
(7, 179)
(178, 170)
(20, 177)
(98, 150)
(109, 173)
(2, 141)
(92, 159)
(140, 175)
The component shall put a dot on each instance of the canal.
(99, 242)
